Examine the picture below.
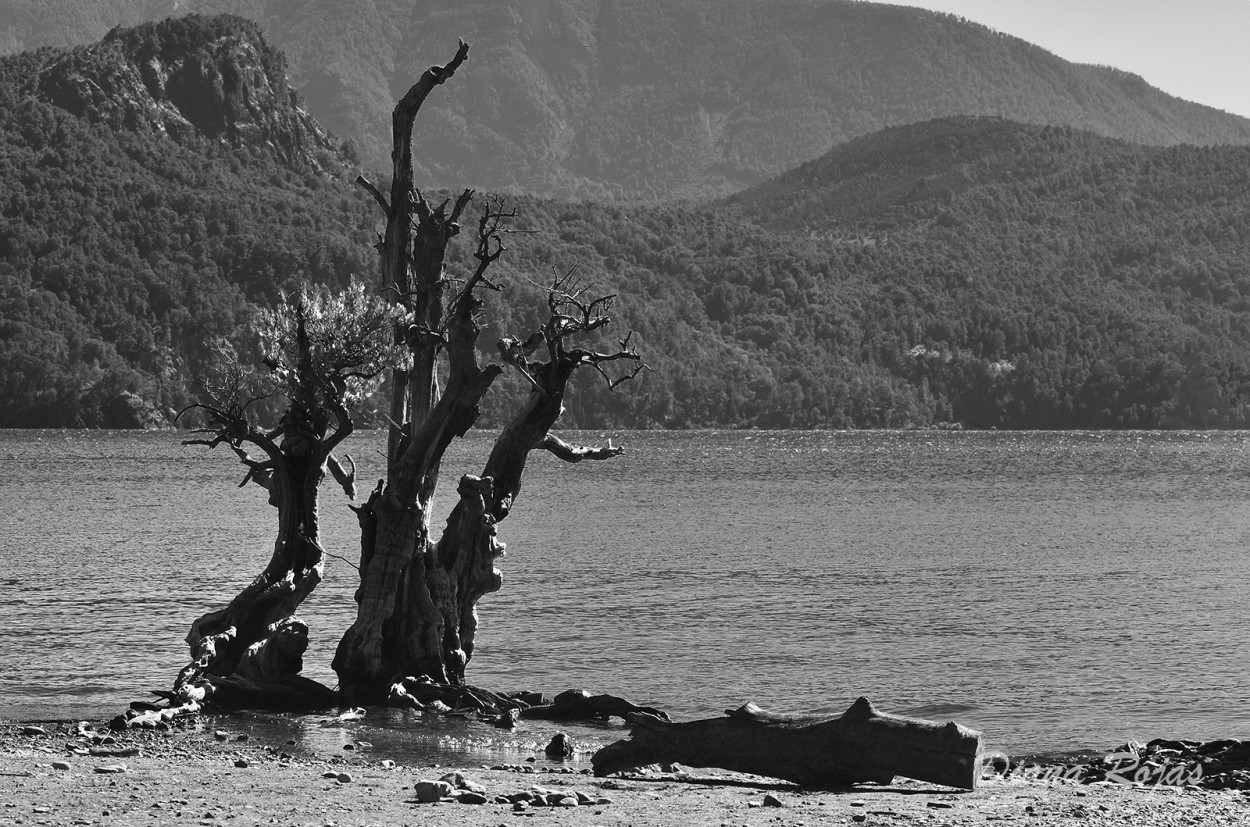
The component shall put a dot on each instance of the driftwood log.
(860, 745)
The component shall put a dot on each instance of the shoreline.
(207, 775)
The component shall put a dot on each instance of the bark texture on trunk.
(254, 646)
(416, 619)
(860, 745)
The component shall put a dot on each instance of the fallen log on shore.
(860, 745)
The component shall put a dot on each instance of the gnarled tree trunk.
(250, 653)
(416, 617)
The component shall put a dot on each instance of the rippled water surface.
(1056, 590)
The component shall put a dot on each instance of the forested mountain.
(133, 231)
(971, 270)
(654, 99)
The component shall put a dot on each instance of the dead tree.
(416, 615)
(322, 350)
(860, 745)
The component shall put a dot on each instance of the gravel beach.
(212, 776)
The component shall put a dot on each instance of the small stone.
(330, 774)
(455, 779)
(111, 768)
(431, 791)
(941, 805)
(859, 817)
(771, 800)
(466, 797)
(520, 806)
(242, 763)
(34, 730)
(388, 764)
(568, 801)
(458, 781)
(220, 735)
(560, 746)
(344, 777)
(349, 746)
(242, 737)
(859, 802)
(60, 765)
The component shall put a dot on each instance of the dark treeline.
(963, 270)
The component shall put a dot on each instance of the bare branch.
(377, 196)
(347, 479)
(576, 453)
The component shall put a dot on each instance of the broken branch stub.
(860, 745)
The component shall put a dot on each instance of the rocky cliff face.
(193, 76)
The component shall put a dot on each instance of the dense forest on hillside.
(655, 99)
(970, 270)
(124, 253)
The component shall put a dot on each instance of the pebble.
(466, 797)
(561, 746)
(431, 791)
(111, 768)
(242, 763)
(34, 730)
(344, 777)
(458, 781)
(771, 800)
(60, 765)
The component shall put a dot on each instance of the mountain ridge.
(212, 78)
(649, 100)
(967, 269)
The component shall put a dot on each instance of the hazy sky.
(1195, 49)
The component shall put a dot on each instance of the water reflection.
(412, 738)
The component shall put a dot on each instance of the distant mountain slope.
(656, 99)
(965, 269)
(970, 270)
(188, 78)
(136, 226)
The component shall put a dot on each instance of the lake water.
(1057, 591)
